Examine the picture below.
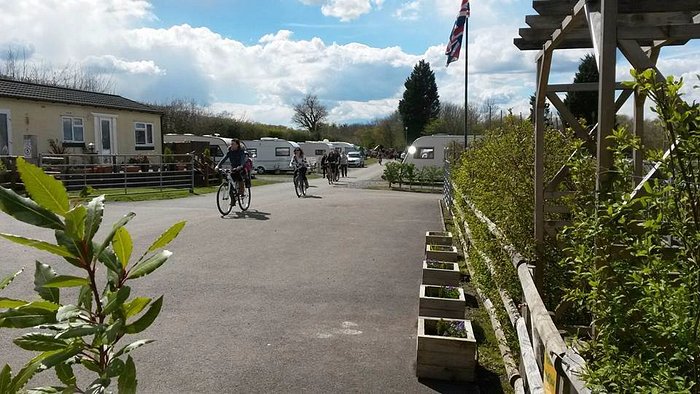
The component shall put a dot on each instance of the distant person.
(344, 165)
(379, 157)
(237, 155)
(324, 162)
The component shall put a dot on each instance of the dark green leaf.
(65, 374)
(166, 237)
(8, 279)
(123, 246)
(113, 331)
(149, 265)
(98, 386)
(40, 342)
(56, 357)
(27, 211)
(74, 248)
(85, 297)
(38, 244)
(119, 224)
(46, 390)
(11, 303)
(75, 222)
(127, 381)
(42, 274)
(95, 209)
(135, 306)
(26, 316)
(79, 331)
(46, 190)
(115, 368)
(147, 318)
(133, 346)
(109, 259)
(68, 312)
(66, 281)
(5, 379)
(116, 300)
(20, 380)
(90, 365)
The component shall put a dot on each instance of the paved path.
(297, 295)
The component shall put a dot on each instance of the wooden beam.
(553, 22)
(544, 66)
(606, 92)
(553, 7)
(645, 33)
(581, 87)
(568, 117)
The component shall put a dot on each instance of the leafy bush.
(636, 257)
(86, 332)
(496, 174)
(392, 172)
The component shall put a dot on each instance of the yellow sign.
(550, 376)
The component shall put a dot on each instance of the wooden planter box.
(438, 238)
(132, 168)
(431, 305)
(448, 276)
(441, 253)
(445, 358)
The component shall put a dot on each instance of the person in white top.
(300, 165)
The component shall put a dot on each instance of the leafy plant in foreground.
(87, 331)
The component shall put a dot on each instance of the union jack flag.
(455, 44)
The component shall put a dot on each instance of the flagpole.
(466, 82)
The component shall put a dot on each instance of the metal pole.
(466, 83)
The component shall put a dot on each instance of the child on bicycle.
(300, 165)
(237, 155)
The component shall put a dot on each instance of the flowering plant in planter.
(452, 328)
(441, 265)
(443, 292)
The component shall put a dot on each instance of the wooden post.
(606, 91)
(544, 64)
(638, 154)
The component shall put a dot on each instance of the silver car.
(355, 159)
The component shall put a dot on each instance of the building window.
(253, 152)
(73, 129)
(143, 133)
(425, 153)
(281, 151)
(320, 152)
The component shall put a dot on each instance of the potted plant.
(441, 273)
(441, 301)
(446, 349)
(441, 252)
(438, 238)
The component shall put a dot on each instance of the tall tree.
(584, 105)
(420, 103)
(310, 114)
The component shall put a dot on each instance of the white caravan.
(271, 154)
(345, 147)
(314, 151)
(430, 150)
(218, 146)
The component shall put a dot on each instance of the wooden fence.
(547, 364)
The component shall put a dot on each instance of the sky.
(253, 59)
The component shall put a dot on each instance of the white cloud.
(345, 10)
(408, 11)
(110, 64)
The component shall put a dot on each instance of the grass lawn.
(154, 193)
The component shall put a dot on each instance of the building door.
(5, 133)
(105, 141)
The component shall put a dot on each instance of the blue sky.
(253, 59)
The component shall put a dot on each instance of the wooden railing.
(546, 362)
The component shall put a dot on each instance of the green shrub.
(86, 332)
(636, 258)
(392, 172)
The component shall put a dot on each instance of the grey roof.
(56, 94)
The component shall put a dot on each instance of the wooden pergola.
(639, 29)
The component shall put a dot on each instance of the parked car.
(355, 159)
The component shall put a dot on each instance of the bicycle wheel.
(244, 199)
(298, 186)
(223, 199)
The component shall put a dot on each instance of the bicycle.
(299, 184)
(227, 195)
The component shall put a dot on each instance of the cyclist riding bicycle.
(300, 165)
(237, 155)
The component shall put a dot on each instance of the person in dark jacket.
(324, 159)
(237, 156)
